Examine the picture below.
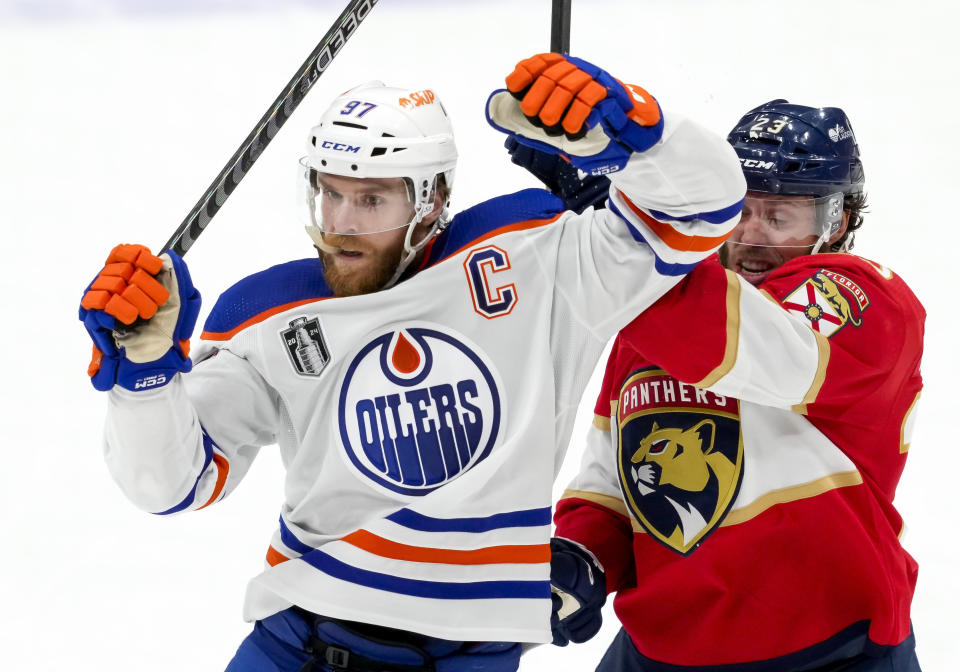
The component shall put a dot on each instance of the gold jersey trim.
(615, 504)
(768, 296)
(783, 496)
(823, 358)
(677, 409)
(904, 444)
(601, 422)
(733, 333)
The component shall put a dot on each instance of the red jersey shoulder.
(623, 360)
(687, 330)
(845, 296)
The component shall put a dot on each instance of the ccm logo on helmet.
(753, 163)
(339, 146)
(418, 407)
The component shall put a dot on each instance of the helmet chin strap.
(409, 249)
(825, 238)
(821, 241)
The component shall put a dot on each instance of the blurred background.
(117, 114)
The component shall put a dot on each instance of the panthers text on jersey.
(739, 477)
(420, 425)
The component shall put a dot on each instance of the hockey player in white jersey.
(412, 378)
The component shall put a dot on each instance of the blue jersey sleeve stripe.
(191, 496)
(633, 230)
(264, 294)
(715, 217)
(496, 216)
(663, 267)
(418, 521)
(443, 590)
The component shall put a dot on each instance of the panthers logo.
(680, 456)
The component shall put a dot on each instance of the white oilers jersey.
(422, 426)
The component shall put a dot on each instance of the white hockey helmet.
(374, 130)
(378, 131)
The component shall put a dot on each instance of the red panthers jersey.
(738, 480)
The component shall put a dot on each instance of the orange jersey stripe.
(275, 557)
(227, 335)
(223, 469)
(518, 554)
(673, 238)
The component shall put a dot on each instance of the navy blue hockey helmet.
(797, 150)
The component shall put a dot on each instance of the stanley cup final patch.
(305, 344)
(679, 455)
(829, 301)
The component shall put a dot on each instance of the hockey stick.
(268, 126)
(560, 27)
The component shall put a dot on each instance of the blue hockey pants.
(842, 654)
(294, 640)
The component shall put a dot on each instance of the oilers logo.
(418, 407)
(680, 457)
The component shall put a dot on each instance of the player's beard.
(367, 275)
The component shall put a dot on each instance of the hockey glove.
(155, 299)
(578, 190)
(561, 104)
(579, 590)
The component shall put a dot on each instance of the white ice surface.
(117, 115)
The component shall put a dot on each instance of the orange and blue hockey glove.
(140, 311)
(564, 105)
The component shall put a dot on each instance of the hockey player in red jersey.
(736, 491)
(405, 375)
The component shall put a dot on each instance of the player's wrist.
(141, 377)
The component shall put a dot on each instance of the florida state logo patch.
(418, 407)
(680, 456)
(820, 300)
